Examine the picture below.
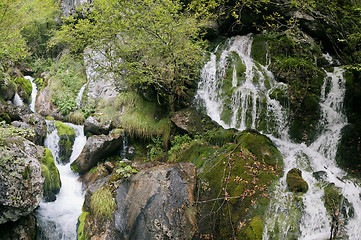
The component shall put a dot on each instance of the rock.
(90, 177)
(51, 174)
(156, 203)
(101, 85)
(66, 141)
(24, 229)
(21, 182)
(94, 125)
(295, 182)
(44, 105)
(38, 124)
(191, 121)
(97, 148)
(7, 89)
(320, 175)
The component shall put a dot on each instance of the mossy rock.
(82, 234)
(259, 49)
(295, 182)
(24, 84)
(221, 136)
(67, 138)
(5, 117)
(238, 174)
(52, 182)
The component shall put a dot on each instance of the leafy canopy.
(144, 43)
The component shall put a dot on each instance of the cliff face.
(68, 6)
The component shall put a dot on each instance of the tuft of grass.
(102, 203)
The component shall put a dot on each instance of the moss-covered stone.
(67, 138)
(82, 235)
(236, 176)
(52, 182)
(25, 87)
(259, 49)
(295, 182)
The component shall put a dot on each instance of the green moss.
(238, 174)
(255, 229)
(295, 182)
(52, 182)
(76, 117)
(26, 85)
(259, 49)
(82, 235)
(67, 138)
(74, 167)
(5, 117)
(220, 136)
(102, 203)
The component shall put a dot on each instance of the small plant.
(125, 170)
(156, 151)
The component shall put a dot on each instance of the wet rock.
(21, 182)
(38, 124)
(156, 203)
(320, 175)
(24, 229)
(95, 126)
(7, 89)
(96, 149)
(295, 182)
(66, 141)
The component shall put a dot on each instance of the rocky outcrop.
(96, 149)
(95, 126)
(24, 229)
(156, 203)
(101, 85)
(7, 89)
(21, 182)
(295, 182)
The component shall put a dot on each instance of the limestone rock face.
(96, 148)
(101, 85)
(21, 182)
(94, 126)
(155, 203)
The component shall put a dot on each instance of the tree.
(145, 43)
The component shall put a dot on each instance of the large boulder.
(21, 182)
(95, 126)
(96, 149)
(36, 122)
(7, 88)
(156, 203)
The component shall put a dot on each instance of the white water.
(57, 220)
(34, 92)
(79, 98)
(17, 100)
(247, 109)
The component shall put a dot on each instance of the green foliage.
(67, 77)
(156, 150)
(255, 229)
(156, 43)
(124, 170)
(15, 15)
(179, 143)
(102, 203)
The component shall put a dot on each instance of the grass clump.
(102, 203)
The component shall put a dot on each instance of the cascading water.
(78, 99)
(57, 220)
(34, 92)
(238, 92)
(17, 100)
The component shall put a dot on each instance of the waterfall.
(34, 92)
(58, 220)
(80, 96)
(17, 100)
(238, 92)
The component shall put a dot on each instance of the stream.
(251, 106)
